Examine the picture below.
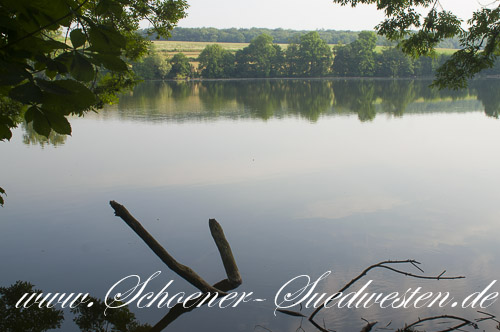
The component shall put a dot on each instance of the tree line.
(306, 56)
(280, 36)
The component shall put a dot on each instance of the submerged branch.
(464, 321)
(385, 265)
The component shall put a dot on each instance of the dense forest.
(280, 36)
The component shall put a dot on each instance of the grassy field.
(193, 49)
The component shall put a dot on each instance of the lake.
(305, 176)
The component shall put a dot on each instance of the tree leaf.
(79, 98)
(111, 62)
(77, 37)
(5, 132)
(26, 93)
(81, 68)
(50, 73)
(41, 124)
(59, 123)
(30, 113)
(106, 39)
(51, 87)
(63, 62)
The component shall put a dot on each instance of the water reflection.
(303, 185)
(308, 99)
(30, 137)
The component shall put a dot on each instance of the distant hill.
(281, 36)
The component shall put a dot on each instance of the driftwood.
(233, 275)
(182, 270)
(234, 279)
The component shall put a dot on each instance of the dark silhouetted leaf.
(26, 93)
(40, 124)
(52, 87)
(5, 133)
(111, 62)
(59, 123)
(77, 37)
(79, 97)
(81, 68)
(28, 116)
(106, 39)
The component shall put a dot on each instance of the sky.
(299, 15)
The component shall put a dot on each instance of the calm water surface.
(305, 176)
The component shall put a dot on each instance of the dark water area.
(305, 176)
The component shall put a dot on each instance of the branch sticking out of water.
(233, 275)
(182, 270)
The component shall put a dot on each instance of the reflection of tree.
(96, 319)
(216, 96)
(396, 95)
(40, 318)
(264, 99)
(488, 93)
(30, 137)
(356, 96)
(32, 319)
(310, 99)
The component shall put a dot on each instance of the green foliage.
(98, 319)
(392, 62)
(308, 55)
(357, 58)
(261, 58)
(180, 67)
(31, 137)
(152, 67)
(312, 57)
(32, 319)
(45, 78)
(419, 35)
(216, 62)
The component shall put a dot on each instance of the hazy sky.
(293, 14)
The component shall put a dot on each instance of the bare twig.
(368, 327)
(490, 317)
(464, 321)
(383, 264)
